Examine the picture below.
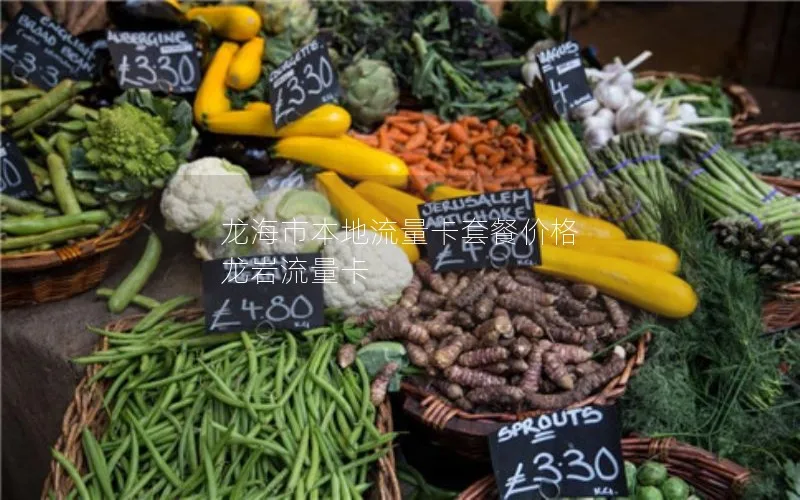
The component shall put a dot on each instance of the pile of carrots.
(467, 154)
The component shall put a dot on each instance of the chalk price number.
(296, 94)
(163, 76)
(572, 465)
(15, 178)
(25, 66)
(298, 309)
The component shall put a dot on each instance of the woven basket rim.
(103, 242)
(440, 414)
(745, 104)
(86, 410)
(761, 132)
(663, 450)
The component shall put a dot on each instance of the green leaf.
(378, 354)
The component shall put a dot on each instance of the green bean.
(208, 467)
(297, 467)
(73, 473)
(139, 300)
(46, 196)
(42, 145)
(249, 465)
(261, 444)
(24, 207)
(87, 199)
(43, 105)
(56, 236)
(334, 394)
(62, 187)
(117, 384)
(275, 481)
(313, 470)
(161, 311)
(141, 484)
(132, 471)
(118, 452)
(40, 174)
(38, 226)
(78, 112)
(135, 281)
(9, 96)
(157, 458)
(73, 126)
(346, 495)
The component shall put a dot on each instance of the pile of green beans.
(45, 126)
(200, 416)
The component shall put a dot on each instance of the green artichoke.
(370, 91)
(295, 16)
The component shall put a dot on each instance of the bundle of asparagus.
(753, 219)
(627, 182)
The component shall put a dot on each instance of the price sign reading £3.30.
(490, 230)
(569, 453)
(35, 48)
(302, 83)
(261, 293)
(155, 60)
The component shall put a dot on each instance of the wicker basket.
(36, 277)
(754, 134)
(713, 477)
(86, 410)
(466, 433)
(745, 105)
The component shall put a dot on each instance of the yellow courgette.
(649, 253)
(233, 22)
(327, 120)
(398, 205)
(211, 97)
(550, 216)
(359, 162)
(655, 291)
(245, 69)
(353, 210)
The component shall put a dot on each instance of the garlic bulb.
(636, 96)
(585, 110)
(605, 117)
(610, 95)
(668, 137)
(687, 112)
(530, 73)
(651, 120)
(596, 138)
(627, 118)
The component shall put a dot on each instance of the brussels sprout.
(675, 488)
(651, 474)
(630, 477)
(649, 493)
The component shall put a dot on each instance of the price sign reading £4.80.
(262, 293)
(302, 83)
(35, 48)
(155, 60)
(15, 177)
(489, 230)
(569, 453)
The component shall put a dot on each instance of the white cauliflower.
(205, 194)
(292, 220)
(383, 271)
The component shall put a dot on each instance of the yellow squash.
(548, 215)
(655, 291)
(233, 22)
(245, 68)
(354, 209)
(359, 162)
(327, 120)
(649, 253)
(211, 98)
(398, 205)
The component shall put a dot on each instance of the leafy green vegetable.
(778, 157)
(525, 23)
(791, 472)
(377, 354)
(713, 379)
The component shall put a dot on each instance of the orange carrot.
(529, 151)
(536, 181)
(398, 119)
(484, 137)
(526, 172)
(414, 115)
(478, 185)
(398, 135)
(461, 151)
(383, 139)
(496, 158)
(481, 159)
(410, 157)
(458, 133)
(517, 162)
(484, 149)
(484, 171)
(436, 168)
(514, 179)
(416, 141)
(501, 173)
(431, 121)
(461, 174)
(492, 125)
(492, 187)
(470, 121)
(449, 147)
(438, 145)
(516, 149)
(513, 130)
(441, 129)
(469, 162)
(407, 127)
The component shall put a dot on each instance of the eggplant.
(154, 14)
(251, 153)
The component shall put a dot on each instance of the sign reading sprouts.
(568, 453)
(489, 230)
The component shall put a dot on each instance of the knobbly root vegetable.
(496, 395)
(433, 279)
(527, 327)
(490, 331)
(451, 349)
(417, 355)
(483, 356)
(346, 355)
(380, 384)
(135, 281)
(449, 389)
(472, 378)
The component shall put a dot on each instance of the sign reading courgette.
(262, 293)
(302, 83)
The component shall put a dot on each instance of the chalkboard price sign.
(15, 177)
(564, 76)
(490, 230)
(260, 293)
(569, 453)
(36, 48)
(302, 83)
(166, 61)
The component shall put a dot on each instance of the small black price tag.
(489, 230)
(36, 48)
(569, 453)
(166, 61)
(302, 83)
(564, 76)
(15, 177)
(262, 293)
